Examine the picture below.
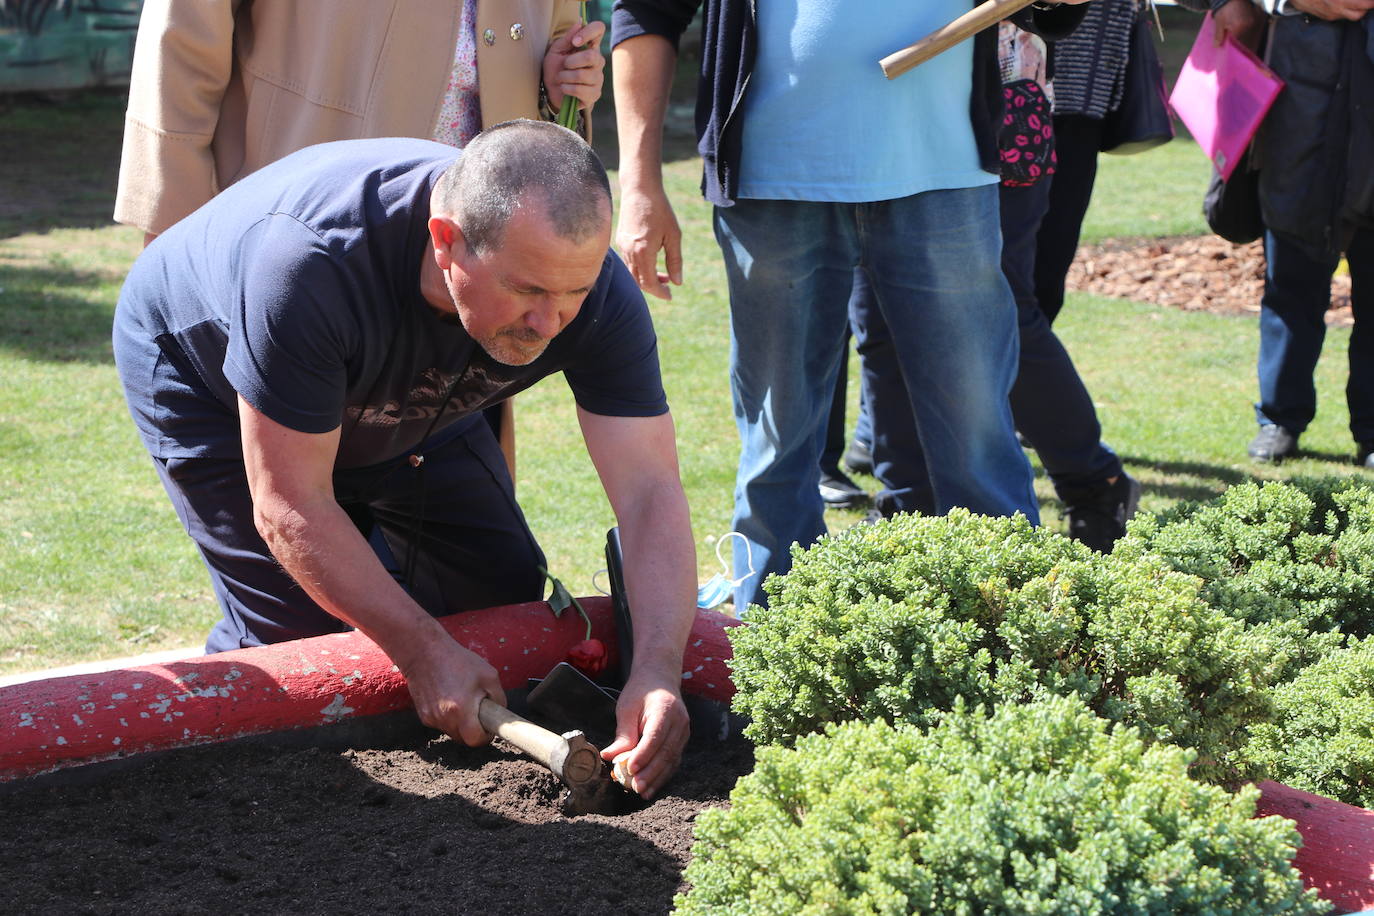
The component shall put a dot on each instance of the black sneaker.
(1272, 444)
(858, 458)
(1365, 456)
(1099, 519)
(839, 492)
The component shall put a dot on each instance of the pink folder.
(1222, 95)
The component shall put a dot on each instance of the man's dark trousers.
(471, 546)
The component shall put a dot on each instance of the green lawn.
(93, 563)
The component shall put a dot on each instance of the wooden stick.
(546, 747)
(573, 759)
(987, 13)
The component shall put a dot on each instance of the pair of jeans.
(836, 434)
(933, 260)
(451, 524)
(1049, 403)
(899, 462)
(1297, 293)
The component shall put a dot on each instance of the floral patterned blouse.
(460, 116)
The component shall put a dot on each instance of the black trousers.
(449, 531)
(1076, 141)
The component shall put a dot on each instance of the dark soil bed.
(429, 826)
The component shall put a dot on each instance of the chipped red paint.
(63, 721)
(1337, 854)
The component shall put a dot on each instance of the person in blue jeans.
(1050, 405)
(1316, 189)
(1297, 293)
(817, 164)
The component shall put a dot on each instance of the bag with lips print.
(1026, 138)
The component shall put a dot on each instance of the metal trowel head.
(567, 699)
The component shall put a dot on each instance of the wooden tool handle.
(971, 23)
(546, 747)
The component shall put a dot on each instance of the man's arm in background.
(644, 55)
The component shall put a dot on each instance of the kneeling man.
(307, 358)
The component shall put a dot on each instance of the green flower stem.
(567, 117)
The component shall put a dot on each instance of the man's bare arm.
(636, 458)
(290, 477)
(642, 72)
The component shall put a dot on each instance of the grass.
(93, 563)
(1150, 195)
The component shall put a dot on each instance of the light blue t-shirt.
(822, 122)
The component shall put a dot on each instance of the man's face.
(515, 299)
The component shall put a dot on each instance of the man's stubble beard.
(496, 345)
(501, 347)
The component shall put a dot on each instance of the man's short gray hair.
(483, 189)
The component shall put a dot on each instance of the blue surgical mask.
(716, 590)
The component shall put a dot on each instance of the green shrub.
(1037, 809)
(1295, 559)
(895, 620)
(1322, 739)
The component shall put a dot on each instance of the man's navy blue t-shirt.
(299, 288)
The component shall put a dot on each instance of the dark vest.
(1315, 150)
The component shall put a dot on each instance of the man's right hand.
(1242, 20)
(1333, 9)
(290, 475)
(648, 225)
(447, 682)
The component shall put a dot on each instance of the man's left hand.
(652, 726)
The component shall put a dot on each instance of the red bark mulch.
(1206, 273)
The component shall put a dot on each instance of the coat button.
(489, 36)
(517, 32)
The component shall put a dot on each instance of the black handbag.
(1142, 120)
(1232, 207)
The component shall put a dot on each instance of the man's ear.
(444, 237)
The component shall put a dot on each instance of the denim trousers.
(835, 431)
(1297, 293)
(1049, 403)
(933, 260)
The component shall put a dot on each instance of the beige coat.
(223, 87)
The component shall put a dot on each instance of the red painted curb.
(1337, 854)
(64, 721)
